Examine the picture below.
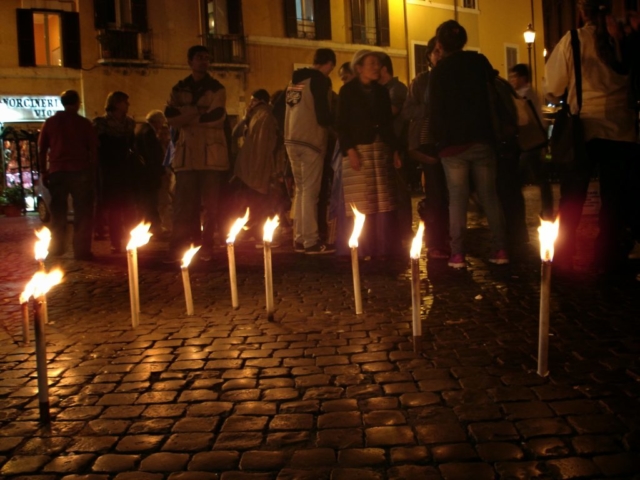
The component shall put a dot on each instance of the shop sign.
(28, 108)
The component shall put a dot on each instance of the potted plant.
(12, 201)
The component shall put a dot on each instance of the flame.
(40, 284)
(269, 227)
(416, 244)
(42, 244)
(139, 236)
(547, 233)
(237, 226)
(357, 226)
(188, 255)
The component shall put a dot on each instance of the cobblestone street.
(320, 393)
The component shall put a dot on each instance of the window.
(469, 4)
(310, 19)
(224, 31)
(48, 38)
(511, 57)
(121, 15)
(420, 58)
(370, 22)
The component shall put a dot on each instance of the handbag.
(568, 146)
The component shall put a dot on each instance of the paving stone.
(526, 410)
(123, 411)
(361, 457)
(188, 442)
(595, 444)
(242, 423)
(256, 408)
(342, 405)
(540, 427)
(307, 406)
(477, 413)
(69, 463)
(417, 454)
(410, 400)
(382, 418)
(475, 470)
(492, 452)
(618, 464)
(521, 470)
(389, 436)
(92, 444)
(572, 467)
(139, 443)
(547, 447)
(279, 394)
(511, 394)
(139, 476)
(283, 439)
(354, 474)
(43, 446)
(340, 438)
(79, 413)
(193, 476)
(294, 474)
(340, 420)
(444, 433)
(575, 407)
(165, 410)
(454, 452)
(24, 464)
(595, 424)
(292, 422)
(238, 441)
(378, 403)
(324, 393)
(156, 425)
(313, 458)
(263, 460)
(405, 472)
(555, 392)
(164, 462)
(209, 409)
(113, 463)
(214, 461)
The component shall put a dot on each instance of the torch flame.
(547, 233)
(42, 244)
(188, 255)
(237, 226)
(416, 244)
(269, 227)
(40, 284)
(139, 236)
(357, 226)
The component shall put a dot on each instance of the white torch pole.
(415, 304)
(231, 253)
(543, 334)
(132, 263)
(186, 281)
(355, 269)
(268, 279)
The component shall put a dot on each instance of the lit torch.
(139, 236)
(547, 233)
(41, 251)
(235, 229)
(37, 288)
(358, 223)
(186, 281)
(416, 248)
(269, 227)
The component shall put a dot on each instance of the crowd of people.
(321, 155)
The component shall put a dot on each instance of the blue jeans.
(194, 189)
(81, 186)
(306, 166)
(480, 161)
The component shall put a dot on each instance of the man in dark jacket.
(461, 133)
(307, 119)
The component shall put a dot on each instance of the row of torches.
(43, 281)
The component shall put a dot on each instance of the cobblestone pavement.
(319, 393)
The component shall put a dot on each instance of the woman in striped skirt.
(369, 148)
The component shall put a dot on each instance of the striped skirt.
(373, 188)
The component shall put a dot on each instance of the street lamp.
(529, 39)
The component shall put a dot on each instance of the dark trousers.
(81, 187)
(511, 199)
(195, 189)
(260, 208)
(613, 160)
(122, 217)
(436, 206)
(148, 203)
(534, 169)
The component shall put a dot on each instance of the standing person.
(307, 119)
(256, 166)
(370, 153)
(118, 167)
(345, 73)
(196, 109)
(460, 133)
(609, 130)
(434, 209)
(167, 182)
(152, 153)
(69, 169)
(398, 93)
(532, 162)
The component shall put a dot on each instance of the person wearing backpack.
(461, 133)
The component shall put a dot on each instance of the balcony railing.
(125, 46)
(227, 49)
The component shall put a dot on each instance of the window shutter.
(290, 18)
(234, 15)
(322, 19)
(26, 41)
(71, 56)
(356, 22)
(382, 21)
(139, 15)
(101, 13)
